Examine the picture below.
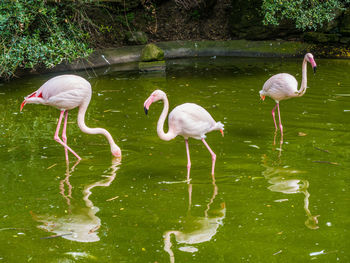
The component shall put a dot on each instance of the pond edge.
(187, 49)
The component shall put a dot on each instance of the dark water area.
(268, 202)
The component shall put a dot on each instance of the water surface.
(267, 202)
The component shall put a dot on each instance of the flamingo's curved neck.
(160, 125)
(303, 86)
(85, 129)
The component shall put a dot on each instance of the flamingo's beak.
(313, 65)
(22, 105)
(222, 132)
(29, 96)
(147, 103)
(262, 97)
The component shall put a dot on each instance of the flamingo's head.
(116, 151)
(262, 95)
(155, 96)
(310, 58)
(34, 94)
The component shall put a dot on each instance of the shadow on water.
(81, 223)
(196, 229)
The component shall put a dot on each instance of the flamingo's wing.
(191, 120)
(65, 91)
(66, 100)
(280, 86)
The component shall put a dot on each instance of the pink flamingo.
(67, 92)
(187, 120)
(284, 86)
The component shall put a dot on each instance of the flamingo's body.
(284, 86)
(191, 120)
(67, 92)
(187, 120)
(281, 86)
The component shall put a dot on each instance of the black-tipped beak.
(146, 110)
(315, 68)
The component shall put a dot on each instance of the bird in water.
(187, 120)
(284, 86)
(66, 92)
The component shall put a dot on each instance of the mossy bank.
(181, 49)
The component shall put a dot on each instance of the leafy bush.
(307, 14)
(36, 33)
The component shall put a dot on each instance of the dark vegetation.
(38, 34)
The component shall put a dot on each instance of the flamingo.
(67, 92)
(284, 86)
(187, 120)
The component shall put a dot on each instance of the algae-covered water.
(267, 202)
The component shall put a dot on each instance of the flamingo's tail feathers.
(219, 126)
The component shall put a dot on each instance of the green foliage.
(195, 14)
(105, 29)
(36, 33)
(307, 14)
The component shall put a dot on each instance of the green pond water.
(267, 203)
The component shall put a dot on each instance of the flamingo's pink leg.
(64, 135)
(279, 118)
(273, 115)
(213, 156)
(57, 138)
(188, 160)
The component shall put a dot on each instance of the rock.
(136, 38)
(152, 53)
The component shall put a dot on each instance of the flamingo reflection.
(80, 224)
(66, 182)
(197, 229)
(280, 144)
(281, 180)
